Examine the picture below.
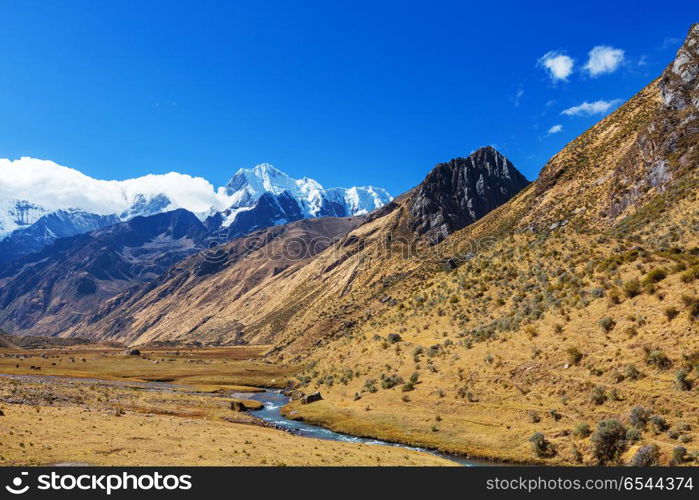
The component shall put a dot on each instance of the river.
(274, 400)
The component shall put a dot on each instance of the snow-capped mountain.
(254, 198)
(144, 206)
(276, 198)
(50, 227)
(16, 214)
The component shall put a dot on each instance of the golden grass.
(52, 435)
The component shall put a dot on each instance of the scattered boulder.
(393, 338)
(133, 352)
(311, 398)
(238, 406)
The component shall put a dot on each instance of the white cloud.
(603, 59)
(559, 65)
(591, 108)
(518, 97)
(555, 129)
(54, 186)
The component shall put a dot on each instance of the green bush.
(646, 456)
(655, 276)
(679, 455)
(633, 434)
(598, 396)
(391, 381)
(574, 355)
(582, 430)
(631, 372)
(606, 323)
(632, 288)
(659, 424)
(658, 359)
(541, 446)
(609, 441)
(681, 380)
(671, 313)
(690, 275)
(639, 417)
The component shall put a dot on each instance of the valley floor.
(78, 409)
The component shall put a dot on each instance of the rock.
(458, 193)
(393, 338)
(311, 398)
(2, 413)
(133, 352)
(295, 395)
(357, 396)
(238, 406)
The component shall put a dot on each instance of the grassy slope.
(549, 273)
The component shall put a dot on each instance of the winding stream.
(274, 401)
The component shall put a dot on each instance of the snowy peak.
(247, 186)
(17, 214)
(50, 227)
(143, 206)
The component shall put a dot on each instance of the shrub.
(582, 430)
(370, 385)
(614, 297)
(639, 417)
(659, 424)
(555, 415)
(414, 378)
(655, 276)
(658, 359)
(646, 456)
(681, 380)
(693, 309)
(631, 372)
(608, 441)
(391, 381)
(690, 275)
(534, 417)
(598, 395)
(408, 386)
(633, 434)
(671, 313)
(606, 323)
(574, 355)
(632, 288)
(679, 455)
(542, 447)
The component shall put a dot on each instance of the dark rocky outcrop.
(461, 191)
(311, 398)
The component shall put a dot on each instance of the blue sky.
(345, 92)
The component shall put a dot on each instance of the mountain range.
(254, 198)
(476, 313)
